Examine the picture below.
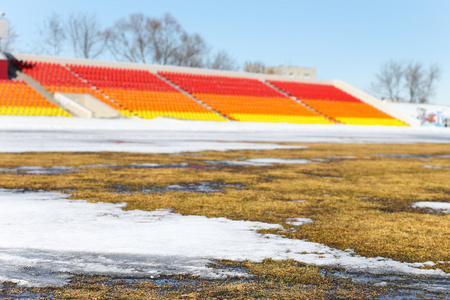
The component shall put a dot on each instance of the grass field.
(358, 196)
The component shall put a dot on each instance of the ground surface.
(355, 198)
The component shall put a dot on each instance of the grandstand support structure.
(363, 96)
(86, 105)
(301, 103)
(96, 88)
(190, 96)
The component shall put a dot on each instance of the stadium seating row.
(144, 94)
(57, 78)
(18, 98)
(244, 99)
(141, 93)
(336, 104)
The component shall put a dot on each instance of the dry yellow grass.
(363, 203)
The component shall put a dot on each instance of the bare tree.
(389, 79)
(254, 67)
(222, 61)
(88, 40)
(413, 80)
(191, 52)
(166, 39)
(130, 39)
(428, 85)
(53, 34)
(420, 83)
(7, 45)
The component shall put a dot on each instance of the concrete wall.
(3, 66)
(85, 105)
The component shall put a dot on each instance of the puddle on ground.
(174, 165)
(212, 164)
(261, 162)
(334, 158)
(33, 170)
(319, 175)
(195, 187)
(166, 283)
(24, 295)
(401, 287)
(412, 155)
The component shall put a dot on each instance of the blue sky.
(347, 40)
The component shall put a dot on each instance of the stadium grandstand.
(150, 91)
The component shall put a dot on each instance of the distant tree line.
(406, 82)
(143, 39)
(137, 38)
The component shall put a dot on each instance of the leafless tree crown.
(137, 38)
(53, 35)
(130, 39)
(166, 39)
(254, 67)
(411, 82)
(222, 60)
(140, 38)
(88, 40)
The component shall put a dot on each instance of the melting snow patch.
(443, 207)
(44, 237)
(171, 166)
(259, 162)
(432, 167)
(194, 187)
(298, 221)
(286, 161)
(335, 158)
(404, 155)
(32, 170)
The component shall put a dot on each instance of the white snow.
(260, 161)
(441, 206)
(432, 167)
(298, 221)
(163, 135)
(36, 170)
(44, 234)
(287, 161)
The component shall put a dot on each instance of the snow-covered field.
(22, 134)
(43, 234)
